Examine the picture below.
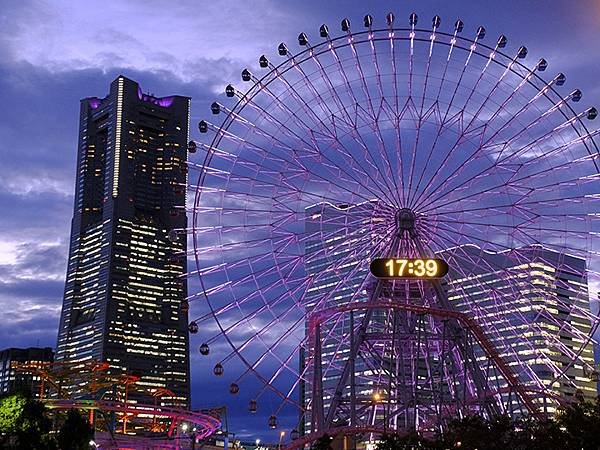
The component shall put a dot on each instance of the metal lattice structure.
(119, 422)
(384, 142)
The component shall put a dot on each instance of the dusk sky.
(52, 54)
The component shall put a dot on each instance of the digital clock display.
(409, 268)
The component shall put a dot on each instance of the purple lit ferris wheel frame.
(301, 186)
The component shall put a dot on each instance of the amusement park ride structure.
(118, 421)
(406, 144)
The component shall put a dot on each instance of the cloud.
(205, 41)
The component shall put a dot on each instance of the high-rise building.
(124, 301)
(536, 300)
(19, 369)
(336, 237)
(530, 302)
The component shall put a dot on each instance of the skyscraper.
(124, 295)
(532, 296)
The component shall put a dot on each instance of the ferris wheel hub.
(405, 220)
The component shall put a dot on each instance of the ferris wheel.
(432, 150)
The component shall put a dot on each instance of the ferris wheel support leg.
(415, 376)
(466, 350)
(352, 375)
(440, 369)
(316, 422)
(358, 340)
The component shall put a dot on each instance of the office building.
(20, 370)
(535, 300)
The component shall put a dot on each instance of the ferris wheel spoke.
(555, 152)
(259, 242)
(370, 118)
(489, 142)
(467, 129)
(421, 116)
(301, 376)
(392, 173)
(491, 325)
(274, 377)
(258, 335)
(368, 249)
(358, 179)
(507, 69)
(233, 283)
(398, 138)
(504, 105)
(246, 320)
(512, 184)
(524, 230)
(331, 135)
(480, 33)
(268, 326)
(239, 304)
(459, 252)
(436, 104)
(444, 187)
(519, 236)
(549, 202)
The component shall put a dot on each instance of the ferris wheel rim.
(242, 102)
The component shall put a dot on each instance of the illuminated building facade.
(13, 380)
(531, 304)
(337, 236)
(529, 297)
(125, 287)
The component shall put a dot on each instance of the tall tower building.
(124, 295)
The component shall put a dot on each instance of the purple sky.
(54, 53)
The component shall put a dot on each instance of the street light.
(257, 442)
(281, 435)
(184, 427)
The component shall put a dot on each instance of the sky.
(53, 53)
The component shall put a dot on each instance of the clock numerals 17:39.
(409, 268)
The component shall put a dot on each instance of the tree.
(11, 408)
(323, 443)
(75, 433)
(536, 434)
(24, 424)
(468, 433)
(581, 423)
